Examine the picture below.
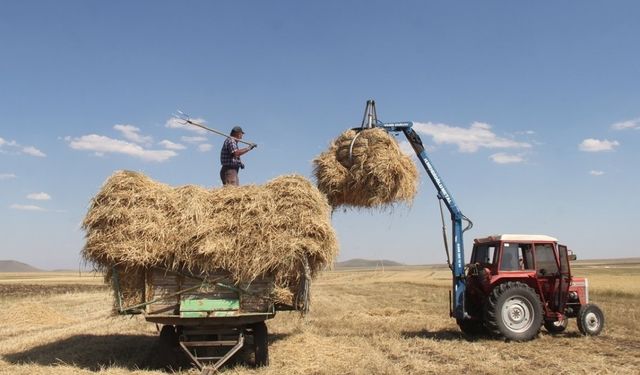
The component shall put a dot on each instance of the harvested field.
(28, 284)
(28, 290)
(362, 322)
(58, 277)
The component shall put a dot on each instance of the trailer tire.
(168, 347)
(590, 320)
(261, 344)
(169, 336)
(514, 311)
(557, 326)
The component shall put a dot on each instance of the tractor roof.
(517, 237)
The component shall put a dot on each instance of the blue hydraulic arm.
(458, 310)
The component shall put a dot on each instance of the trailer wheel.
(590, 320)
(557, 326)
(514, 311)
(261, 343)
(168, 347)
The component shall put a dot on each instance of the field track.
(362, 322)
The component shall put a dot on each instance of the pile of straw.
(250, 231)
(371, 171)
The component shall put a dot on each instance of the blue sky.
(530, 111)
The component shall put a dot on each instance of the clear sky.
(530, 110)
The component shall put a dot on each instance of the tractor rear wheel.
(590, 320)
(557, 326)
(514, 311)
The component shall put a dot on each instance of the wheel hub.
(592, 321)
(517, 314)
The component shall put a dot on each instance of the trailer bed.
(212, 295)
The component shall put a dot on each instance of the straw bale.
(131, 285)
(371, 171)
(250, 231)
(282, 295)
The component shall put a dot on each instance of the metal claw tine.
(182, 120)
(183, 115)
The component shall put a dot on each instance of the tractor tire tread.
(492, 310)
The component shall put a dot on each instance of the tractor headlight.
(573, 296)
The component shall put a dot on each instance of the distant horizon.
(400, 264)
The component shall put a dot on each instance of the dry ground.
(362, 322)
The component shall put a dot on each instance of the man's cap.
(236, 130)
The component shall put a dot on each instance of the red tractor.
(516, 283)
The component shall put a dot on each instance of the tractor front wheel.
(514, 311)
(590, 320)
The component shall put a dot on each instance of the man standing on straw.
(230, 157)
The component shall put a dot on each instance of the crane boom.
(459, 282)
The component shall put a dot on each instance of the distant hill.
(15, 266)
(367, 263)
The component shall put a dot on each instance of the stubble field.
(362, 322)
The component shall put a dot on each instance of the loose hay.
(374, 174)
(32, 313)
(250, 231)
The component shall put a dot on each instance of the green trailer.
(206, 315)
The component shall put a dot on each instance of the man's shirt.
(227, 157)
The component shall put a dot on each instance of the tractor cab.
(515, 283)
(531, 255)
